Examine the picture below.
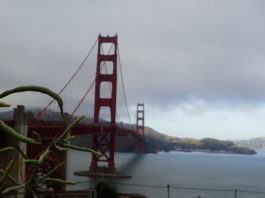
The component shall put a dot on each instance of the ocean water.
(189, 175)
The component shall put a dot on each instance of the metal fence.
(171, 191)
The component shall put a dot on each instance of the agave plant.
(61, 143)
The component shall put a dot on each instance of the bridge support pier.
(101, 144)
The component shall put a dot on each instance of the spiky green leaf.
(55, 180)
(3, 104)
(21, 152)
(69, 139)
(51, 171)
(33, 194)
(31, 161)
(37, 135)
(67, 130)
(44, 155)
(10, 131)
(61, 148)
(43, 90)
(9, 148)
(7, 170)
(13, 188)
(82, 149)
(9, 177)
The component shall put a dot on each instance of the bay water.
(189, 175)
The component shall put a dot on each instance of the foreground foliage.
(60, 143)
(106, 190)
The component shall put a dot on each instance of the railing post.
(168, 191)
(235, 193)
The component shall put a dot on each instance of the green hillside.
(161, 142)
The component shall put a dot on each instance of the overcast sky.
(198, 65)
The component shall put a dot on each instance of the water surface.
(151, 173)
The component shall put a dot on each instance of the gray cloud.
(172, 50)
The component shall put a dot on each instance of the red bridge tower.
(140, 144)
(140, 119)
(105, 143)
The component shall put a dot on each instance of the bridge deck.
(80, 129)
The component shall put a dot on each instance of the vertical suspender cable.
(123, 87)
(68, 82)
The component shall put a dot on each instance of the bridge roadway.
(80, 129)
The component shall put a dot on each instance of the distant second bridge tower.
(140, 118)
(140, 145)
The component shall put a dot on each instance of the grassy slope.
(159, 142)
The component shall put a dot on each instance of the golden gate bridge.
(97, 99)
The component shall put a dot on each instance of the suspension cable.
(123, 87)
(68, 82)
(83, 98)
(86, 93)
